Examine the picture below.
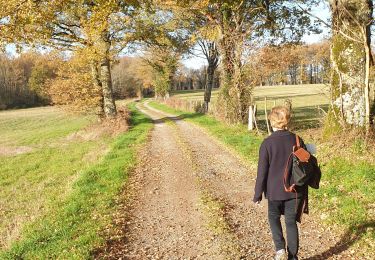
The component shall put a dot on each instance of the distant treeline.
(22, 79)
(293, 64)
(133, 75)
(186, 78)
(271, 65)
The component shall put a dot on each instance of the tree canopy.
(234, 36)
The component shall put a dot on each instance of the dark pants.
(288, 208)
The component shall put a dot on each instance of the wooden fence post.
(266, 116)
(255, 118)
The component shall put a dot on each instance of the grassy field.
(58, 181)
(346, 196)
(271, 92)
(34, 172)
(305, 100)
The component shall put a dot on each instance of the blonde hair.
(279, 117)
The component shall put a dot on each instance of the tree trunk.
(140, 92)
(350, 58)
(108, 100)
(234, 95)
(369, 64)
(315, 73)
(104, 45)
(211, 53)
(208, 89)
(97, 84)
(367, 82)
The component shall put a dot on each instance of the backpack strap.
(291, 188)
(298, 142)
(286, 170)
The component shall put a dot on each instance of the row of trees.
(31, 78)
(293, 64)
(275, 65)
(135, 77)
(22, 80)
(190, 79)
(34, 79)
(101, 29)
(231, 35)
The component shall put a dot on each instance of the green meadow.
(308, 101)
(59, 176)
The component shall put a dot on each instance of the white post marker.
(250, 126)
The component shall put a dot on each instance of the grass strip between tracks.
(235, 136)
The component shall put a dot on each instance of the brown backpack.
(305, 169)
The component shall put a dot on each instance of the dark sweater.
(273, 155)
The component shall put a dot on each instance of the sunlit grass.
(38, 126)
(279, 93)
(63, 195)
(307, 101)
(43, 174)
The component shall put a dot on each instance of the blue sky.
(322, 11)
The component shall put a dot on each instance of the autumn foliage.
(247, 43)
(292, 64)
(22, 79)
(73, 86)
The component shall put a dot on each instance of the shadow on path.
(353, 234)
(176, 118)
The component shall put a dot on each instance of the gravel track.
(169, 217)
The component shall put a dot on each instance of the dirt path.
(193, 201)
